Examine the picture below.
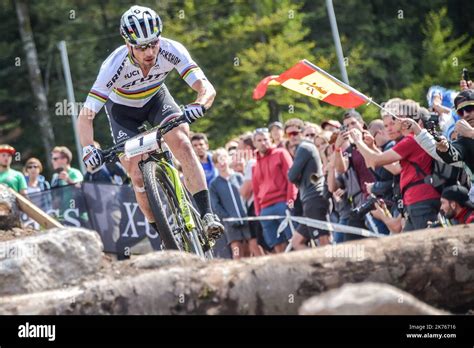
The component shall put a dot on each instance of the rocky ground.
(16, 233)
(64, 271)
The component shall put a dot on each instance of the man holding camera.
(350, 162)
(421, 200)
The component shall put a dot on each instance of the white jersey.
(122, 80)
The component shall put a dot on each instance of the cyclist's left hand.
(193, 111)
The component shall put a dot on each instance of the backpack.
(442, 175)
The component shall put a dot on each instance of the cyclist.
(131, 86)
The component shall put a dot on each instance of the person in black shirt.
(463, 148)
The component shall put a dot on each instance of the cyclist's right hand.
(92, 157)
(193, 111)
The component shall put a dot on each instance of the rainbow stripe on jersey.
(96, 95)
(190, 69)
(120, 80)
(143, 93)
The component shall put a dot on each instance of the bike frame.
(163, 159)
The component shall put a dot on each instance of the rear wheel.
(165, 208)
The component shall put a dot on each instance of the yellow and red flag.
(309, 79)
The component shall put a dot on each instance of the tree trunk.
(274, 111)
(9, 214)
(435, 266)
(36, 80)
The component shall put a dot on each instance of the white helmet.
(140, 25)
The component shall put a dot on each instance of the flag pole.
(337, 40)
(382, 108)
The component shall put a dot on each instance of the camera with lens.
(434, 224)
(365, 208)
(431, 123)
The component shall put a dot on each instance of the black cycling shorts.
(125, 120)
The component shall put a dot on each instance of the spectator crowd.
(408, 170)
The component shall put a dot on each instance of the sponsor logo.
(150, 77)
(131, 73)
(165, 107)
(116, 76)
(121, 134)
(170, 57)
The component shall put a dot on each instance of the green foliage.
(444, 56)
(392, 48)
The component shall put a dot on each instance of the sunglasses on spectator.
(32, 166)
(261, 131)
(468, 108)
(293, 134)
(311, 135)
(151, 45)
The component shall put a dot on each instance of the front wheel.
(164, 207)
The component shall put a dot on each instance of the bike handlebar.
(111, 154)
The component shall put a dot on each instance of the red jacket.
(465, 216)
(270, 179)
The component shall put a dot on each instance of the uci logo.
(131, 73)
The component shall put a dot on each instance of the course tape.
(322, 225)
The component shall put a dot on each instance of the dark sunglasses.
(468, 108)
(293, 134)
(30, 167)
(143, 48)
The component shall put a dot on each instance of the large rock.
(151, 285)
(9, 214)
(48, 260)
(436, 266)
(366, 299)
